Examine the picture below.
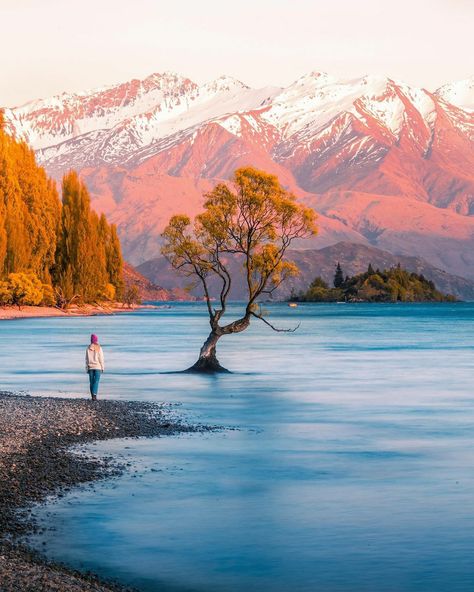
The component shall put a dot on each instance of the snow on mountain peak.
(459, 93)
(47, 122)
(135, 114)
(314, 77)
(165, 80)
(223, 84)
(130, 116)
(314, 99)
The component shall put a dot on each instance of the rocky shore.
(36, 460)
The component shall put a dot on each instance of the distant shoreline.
(11, 313)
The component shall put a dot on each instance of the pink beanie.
(94, 338)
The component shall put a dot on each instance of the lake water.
(352, 468)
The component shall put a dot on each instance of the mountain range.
(384, 164)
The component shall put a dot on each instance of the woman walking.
(94, 365)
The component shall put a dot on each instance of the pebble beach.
(37, 435)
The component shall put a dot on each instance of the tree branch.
(257, 316)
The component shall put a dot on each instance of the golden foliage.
(24, 289)
(88, 257)
(40, 235)
(29, 211)
(255, 219)
(109, 292)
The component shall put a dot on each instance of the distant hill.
(147, 290)
(354, 259)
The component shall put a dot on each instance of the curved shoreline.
(11, 313)
(36, 436)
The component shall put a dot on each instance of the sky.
(51, 46)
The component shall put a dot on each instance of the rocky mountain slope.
(384, 164)
(148, 290)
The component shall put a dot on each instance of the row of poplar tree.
(52, 251)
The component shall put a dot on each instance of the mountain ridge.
(382, 162)
(353, 257)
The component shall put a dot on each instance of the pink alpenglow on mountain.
(383, 163)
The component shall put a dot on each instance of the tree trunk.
(208, 361)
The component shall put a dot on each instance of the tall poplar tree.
(115, 261)
(66, 245)
(88, 255)
(29, 208)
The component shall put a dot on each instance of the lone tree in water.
(255, 220)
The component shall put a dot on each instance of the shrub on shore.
(25, 289)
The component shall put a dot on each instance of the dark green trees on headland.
(51, 252)
(390, 285)
(338, 276)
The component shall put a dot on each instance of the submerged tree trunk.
(208, 361)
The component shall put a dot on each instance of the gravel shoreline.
(36, 436)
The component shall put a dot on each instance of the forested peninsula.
(389, 285)
(52, 251)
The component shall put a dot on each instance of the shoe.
(94, 397)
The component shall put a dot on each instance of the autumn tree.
(5, 294)
(70, 251)
(25, 289)
(3, 210)
(29, 211)
(253, 219)
(114, 261)
(73, 255)
(131, 295)
(88, 257)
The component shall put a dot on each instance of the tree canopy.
(254, 219)
(88, 256)
(64, 245)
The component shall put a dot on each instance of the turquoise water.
(352, 468)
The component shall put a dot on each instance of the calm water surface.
(352, 468)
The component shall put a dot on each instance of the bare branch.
(257, 316)
(207, 296)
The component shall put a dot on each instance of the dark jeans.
(94, 378)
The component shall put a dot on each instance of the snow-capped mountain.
(382, 162)
(46, 122)
(143, 111)
(460, 93)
